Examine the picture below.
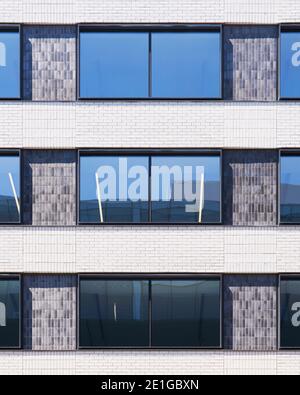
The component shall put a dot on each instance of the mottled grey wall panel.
(49, 187)
(49, 68)
(49, 312)
(250, 187)
(250, 313)
(250, 63)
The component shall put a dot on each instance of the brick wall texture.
(250, 313)
(250, 63)
(49, 312)
(49, 63)
(49, 187)
(250, 187)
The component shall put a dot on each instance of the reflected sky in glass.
(186, 65)
(290, 189)
(290, 65)
(114, 65)
(9, 65)
(9, 188)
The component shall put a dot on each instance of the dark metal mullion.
(150, 191)
(150, 66)
(150, 313)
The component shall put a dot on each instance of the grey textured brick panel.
(250, 313)
(250, 63)
(49, 312)
(49, 68)
(250, 187)
(49, 188)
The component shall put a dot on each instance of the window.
(290, 63)
(186, 189)
(114, 189)
(141, 188)
(290, 312)
(143, 313)
(114, 313)
(158, 62)
(186, 313)
(9, 63)
(9, 188)
(290, 188)
(9, 312)
(186, 65)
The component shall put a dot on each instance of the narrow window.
(290, 188)
(9, 312)
(10, 211)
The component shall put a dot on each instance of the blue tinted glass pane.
(9, 313)
(290, 189)
(114, 313)
(290, 65)
(9, 65)
(114, 65)
(9, 189)
(186, 65)
(290, 313)
(186, 189)
(186, 313)
(114, 189)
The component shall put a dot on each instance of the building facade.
(92, 282)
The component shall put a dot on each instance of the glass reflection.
(290, 312)
(186, 65)
(114, 313)
(290, 189)
(9, 313)
(186, 189)
(290, 65)
(9, 65)
(114, 189)
(9, 189)
(114, 65)
(186, 313)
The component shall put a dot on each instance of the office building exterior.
(150, 187)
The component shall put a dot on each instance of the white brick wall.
(150, 249)
(150, 363)
(168, 124)
(72, 11)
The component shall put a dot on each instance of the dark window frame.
(150, 153)
(285, 276)
(17, 153)
(284, 152)
(12, 27)
(149, 28)
(19, 278)
(149, 277)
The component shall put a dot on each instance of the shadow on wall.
(250, 63)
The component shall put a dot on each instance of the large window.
(186, 313)
(158, 63)
(290, 63)
(141, 188)
(9, 312)
(9, 187)
(9, 63)
(290, 188)
(290, 312)
(143, 313)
